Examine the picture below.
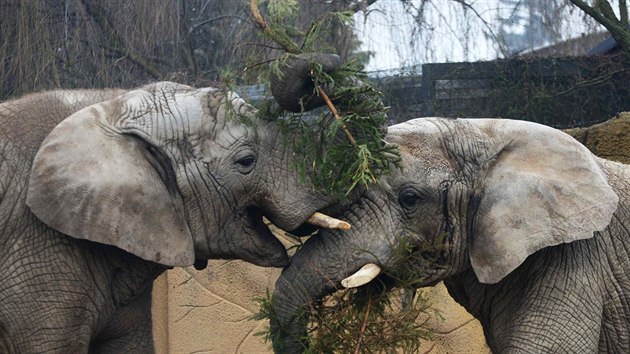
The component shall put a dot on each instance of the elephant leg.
(129, 330)
(39, 339)
(29, 325)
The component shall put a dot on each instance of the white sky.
(387, 30)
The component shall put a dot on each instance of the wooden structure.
(560, 92)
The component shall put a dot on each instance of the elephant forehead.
(223, 143)
(229, 135)
(416, 135)
(426, 124)
(219, 115)
(72, 98)
(169, 114)
(419, 143)
(200, 110)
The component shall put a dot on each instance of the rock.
(610, 139)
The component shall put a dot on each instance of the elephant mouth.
(263, 247)
(258, 221)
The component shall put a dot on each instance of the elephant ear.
(90, 181)
(541, 189)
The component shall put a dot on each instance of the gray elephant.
(527, 229)
(102, 191)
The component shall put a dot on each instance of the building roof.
(586, 44)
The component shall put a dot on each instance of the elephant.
(526, 227)
(101, 191)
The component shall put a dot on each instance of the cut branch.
(285, 42)
(332, 108)
(357, 350)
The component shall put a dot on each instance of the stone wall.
(208, 311)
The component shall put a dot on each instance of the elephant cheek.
(253, 242)
(270, 253)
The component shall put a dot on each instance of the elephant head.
(171, 174)
(480, 194)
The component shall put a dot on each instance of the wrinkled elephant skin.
(101, 191)
(527, 228)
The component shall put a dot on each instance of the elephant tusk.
(328, 222)
(362, 276)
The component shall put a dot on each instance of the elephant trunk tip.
(289, 336)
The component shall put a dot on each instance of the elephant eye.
(245, 163)
(409, 199)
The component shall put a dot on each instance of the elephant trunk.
(294, 88)
(315, 271)
(295, 292)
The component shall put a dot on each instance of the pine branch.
(285, 42)
(290, 47)
(332, 108)
(332, 162)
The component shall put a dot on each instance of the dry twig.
(363, 326)
(285, 42)
(332, 108)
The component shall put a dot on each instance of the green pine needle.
(366, 317)
(328, 159)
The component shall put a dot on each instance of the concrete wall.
(208, 312)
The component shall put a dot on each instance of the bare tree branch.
(485, 23)
(101, 18)
(361, 5)
(285, 42)
(196, 26)
(601, 12)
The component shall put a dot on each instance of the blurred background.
(558, 62)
